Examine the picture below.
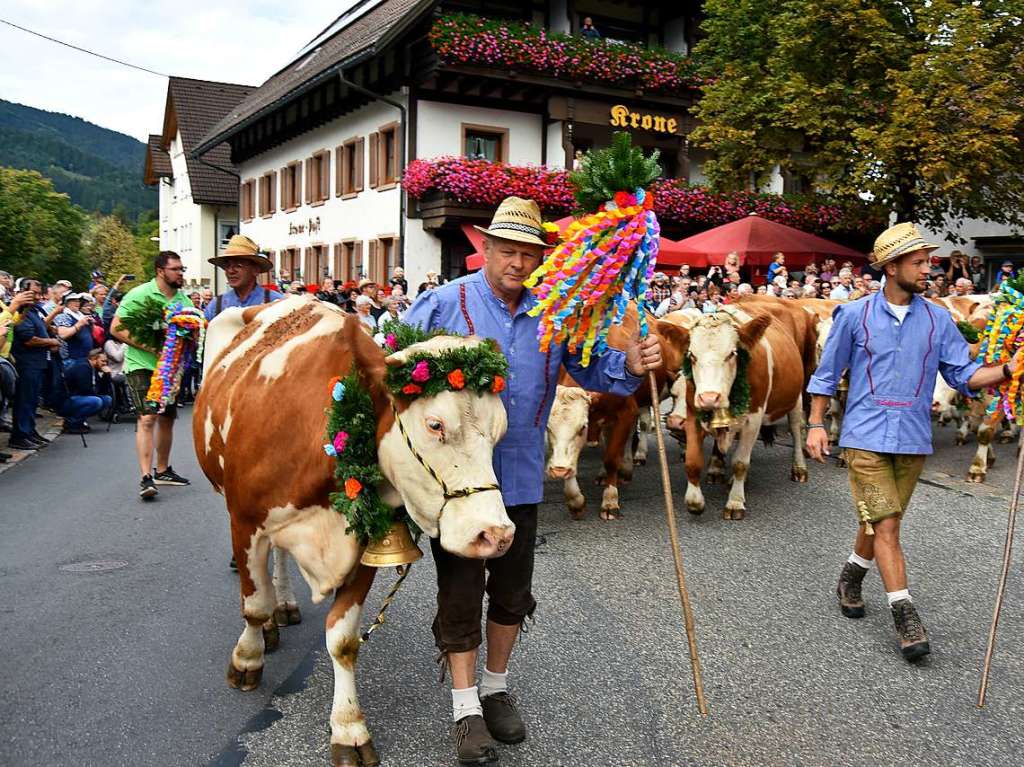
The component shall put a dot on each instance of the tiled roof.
(158, 162)
(197, 105)
(374, 28)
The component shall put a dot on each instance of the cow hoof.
(244, 680)
(959, 440)
(639, 461)
(271, 636)
(344, 756)
(1005, 439)
(975, 476)
(734, 513)
(577, 514)
(368, 754)
(841, 463)
(287, 615)
(716, 478)
(799, 474)
(610, 515)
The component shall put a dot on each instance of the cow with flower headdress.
(314, 436)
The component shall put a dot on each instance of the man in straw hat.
(242, 263)
(892, 342)
(493, 304)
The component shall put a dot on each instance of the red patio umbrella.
(757, 239)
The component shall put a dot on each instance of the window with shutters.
(268, 194)
(317, 263)
(383, 258)
(291, 264)
(384, 154)
(349, 167)
(246, 200)
(291, 186)
(274, 268)
(318, 178)
(348, 260)
(484, 142)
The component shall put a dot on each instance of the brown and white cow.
(258, 428)
(776, 377)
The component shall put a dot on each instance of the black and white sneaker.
(147, 488)
(169, 477)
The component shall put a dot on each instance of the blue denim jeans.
(77, 408)
(26, 397)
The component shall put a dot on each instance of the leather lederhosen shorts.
(882, 483)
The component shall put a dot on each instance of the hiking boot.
(912, 637)
(848, 590)
(502, 716)
(37, 440)
(147, 488)
(473, 743)
(169, 477)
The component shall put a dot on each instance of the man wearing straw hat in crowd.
(493, 304)
(892, 342)
(242, 263)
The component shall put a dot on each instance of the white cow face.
(675, 421)
(945, 400)
(567, 431)
(714, 343)
(455, 433)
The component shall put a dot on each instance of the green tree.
(918, 103)
(40, 230)
(111, 247)
(145, 246)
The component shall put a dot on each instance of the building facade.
(320, 147)
(198, 196)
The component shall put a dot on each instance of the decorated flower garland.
(970, 333)
(1002, 339)
(351, 436)
(739, 394)
(183, 343)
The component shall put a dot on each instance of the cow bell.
(394, 549)
(720, 419)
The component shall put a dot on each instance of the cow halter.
(446, 491)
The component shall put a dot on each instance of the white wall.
(560, 16)
(675, 35)
(968, 229)
(368, 215)
(556, 152)
(439, 130)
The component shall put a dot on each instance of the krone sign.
(623, 117)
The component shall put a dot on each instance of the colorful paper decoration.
(183, 344)
(1001, 340)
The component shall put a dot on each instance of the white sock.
(466, 703)
(492, 682)
(856, 559)
(896, 596)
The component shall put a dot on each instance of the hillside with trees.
(98, 168)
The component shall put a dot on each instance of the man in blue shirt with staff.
(493, 304)
(892, 342)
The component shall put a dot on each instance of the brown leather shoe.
(503, 719)
(910, 631)
(848, 590)
(473, 743)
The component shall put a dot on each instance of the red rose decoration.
(621, 199)
(456, 379)
(411, 388)
(353, 487)
(499, 384)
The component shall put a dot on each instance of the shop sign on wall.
(623, 117)
(311, 227)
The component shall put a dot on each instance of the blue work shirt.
(533, 375)
(892, 371)
(32, 325)
(258, 295)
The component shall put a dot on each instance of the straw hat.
(241, 246)
(897, 241)
(518, 220)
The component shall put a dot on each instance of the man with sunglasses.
(155, 426)
(242, 263)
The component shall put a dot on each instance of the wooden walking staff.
(588, 282)
(1003, 340)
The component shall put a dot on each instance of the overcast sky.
(240, 42)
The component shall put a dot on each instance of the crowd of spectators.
(56, 351)
(723, 284)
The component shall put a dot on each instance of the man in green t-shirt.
(154, 426)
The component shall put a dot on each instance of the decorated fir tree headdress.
(608, 257)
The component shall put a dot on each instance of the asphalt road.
(126, 666)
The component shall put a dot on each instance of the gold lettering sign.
(623, 117)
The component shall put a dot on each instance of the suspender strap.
(465, 310)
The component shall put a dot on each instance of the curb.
(50, 426)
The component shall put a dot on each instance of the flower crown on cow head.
(481, 368)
